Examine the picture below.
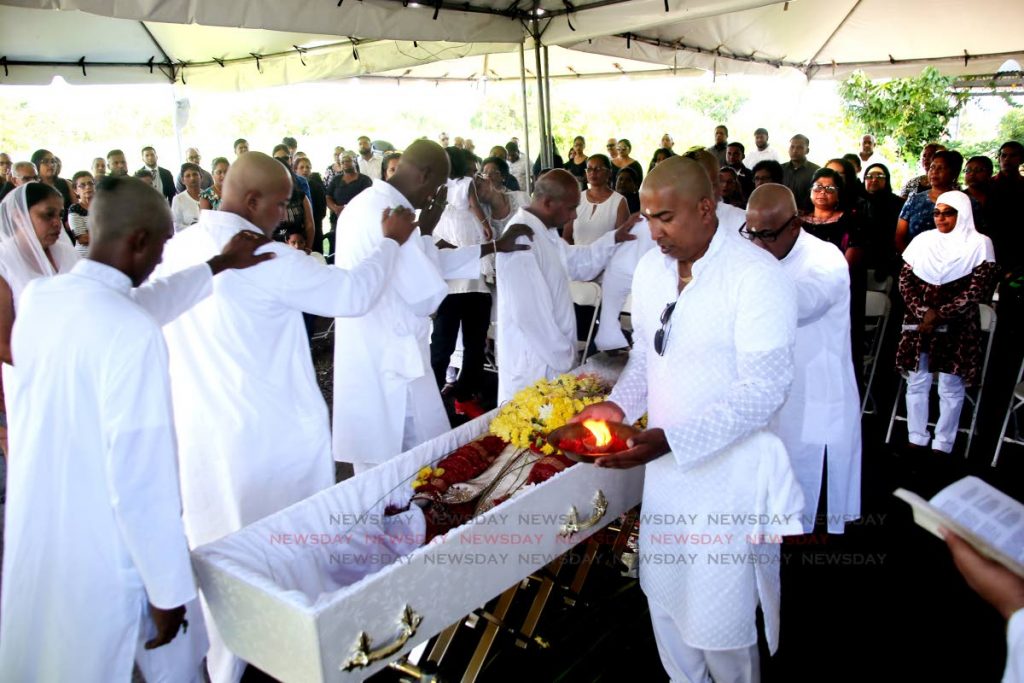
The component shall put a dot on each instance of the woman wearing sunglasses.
(947, 273)
(916, 216)
(833, 220)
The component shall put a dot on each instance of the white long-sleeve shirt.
(823, 408)
(385, 395)
(243, 380)
(1014, 672)
(536, 335)
(93, 528)
(252, 425)
(726, 369)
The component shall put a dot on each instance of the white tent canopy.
(242, 44)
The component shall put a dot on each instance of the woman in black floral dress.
(947, 273)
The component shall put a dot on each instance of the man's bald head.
(424, 167)
(683, 175)
(123, 205)
(257, 188)
(679, 202)
(775, 198)
(556, 195)
(771, 219)
(129, 223)
(709, 162)
(557, 184)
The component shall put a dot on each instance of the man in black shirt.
(720, 146)
(798, 171)
(342, 189)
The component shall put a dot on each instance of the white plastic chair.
(988, 327)
(586, 294)
(876, 319)
(1016, 402)
(873, 285)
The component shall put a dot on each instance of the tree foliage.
(910, 111)
(716, 103)
(1011, 127)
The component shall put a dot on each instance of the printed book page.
(984, 516)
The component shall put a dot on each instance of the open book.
(991, 521)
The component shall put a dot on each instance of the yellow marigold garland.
(545, 406)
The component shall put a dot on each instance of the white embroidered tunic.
(726, 369)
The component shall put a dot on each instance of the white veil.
(938, 258)
(22, 257)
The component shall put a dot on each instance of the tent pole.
(545, 147)
(547, 107)
(526, 117)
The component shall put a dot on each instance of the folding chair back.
(1016, 402)
(586, 294)
(988, 320)
(876, 319)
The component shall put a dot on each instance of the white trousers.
(685, 664)
(951, 401)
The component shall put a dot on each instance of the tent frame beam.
(512, 11)
(832, 35)
(807, 68)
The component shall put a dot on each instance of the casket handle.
(364, 656)
(573, 525)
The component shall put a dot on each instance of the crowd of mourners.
(849, 201)
(939, 245)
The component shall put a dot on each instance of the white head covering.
(939, 258)
(22, 258)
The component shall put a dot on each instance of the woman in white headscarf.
(947, 273)
(30, 247)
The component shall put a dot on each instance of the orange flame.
(602, 436)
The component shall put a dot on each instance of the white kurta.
(385, 395)
(536, 335)
(823, 408)
(252, 425)
(616, 283)
(727, 368)
(93, 524)
(730, 219)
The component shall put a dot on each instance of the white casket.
(307, 593)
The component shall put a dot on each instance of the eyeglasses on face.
(948, 213)
(752, 233)
(828, 189)
(661, 336)
(875, 176)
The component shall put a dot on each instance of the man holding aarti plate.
(714, 322)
